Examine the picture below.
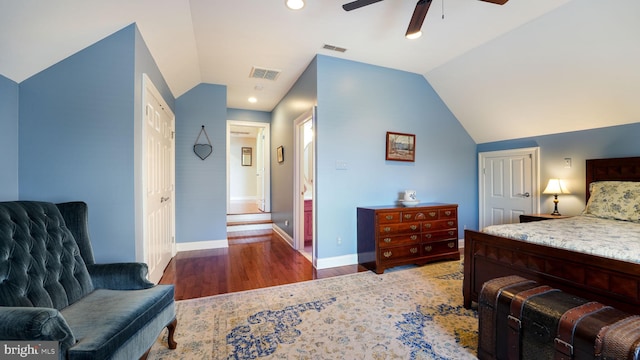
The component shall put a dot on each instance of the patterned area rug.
(406, 313)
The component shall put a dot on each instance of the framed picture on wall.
(280, 153)
(246, 156)
(400, 147)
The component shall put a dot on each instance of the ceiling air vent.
(262, 73)
(334, 48)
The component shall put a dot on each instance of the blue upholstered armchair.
(51, 289)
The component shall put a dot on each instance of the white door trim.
(298, 179)
(534, 152)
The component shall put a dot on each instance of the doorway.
(508, 185)
(248, 168)
(304, 184)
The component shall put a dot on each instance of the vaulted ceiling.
(522, 69)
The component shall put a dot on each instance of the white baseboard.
(248, 227)
(336, 261)
(319, 264)
(202, 245)
(283, 234)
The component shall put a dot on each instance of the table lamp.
(555, 187)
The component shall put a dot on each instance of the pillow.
(618, 200)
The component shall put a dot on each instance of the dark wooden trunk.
(522, 319)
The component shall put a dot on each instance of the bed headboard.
(614, 169)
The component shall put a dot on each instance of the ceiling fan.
(419, 13)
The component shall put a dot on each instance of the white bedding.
(612, 239)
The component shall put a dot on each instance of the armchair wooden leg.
(172, 330)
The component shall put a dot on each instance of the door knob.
(525, 194)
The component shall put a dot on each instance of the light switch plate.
(567, 163)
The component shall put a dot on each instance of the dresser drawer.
(439, 225)
(397, 240)
(438, 247)
(448, 213)
(440, 235)
(413, 215)
(401, 228)
(389, 217)
(400, 252)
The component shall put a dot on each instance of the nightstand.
(540, 217)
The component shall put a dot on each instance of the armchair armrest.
(35, 323)
(120, 276)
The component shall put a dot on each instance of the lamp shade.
(556, 186)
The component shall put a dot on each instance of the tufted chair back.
(40, 263)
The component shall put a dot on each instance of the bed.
(614, 282)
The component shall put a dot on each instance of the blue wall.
(77, 138)
(300, 98)
(615, 141)
(357, 104)
(8, 139)
(201, 191)
(249, 115)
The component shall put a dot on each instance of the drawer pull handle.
(414, 227)
(450, 223)
(428, 248)
(451, 245)
(387, 240)
(387, 254)
(448, 212)
(451, 232)
(387, 229)
(407, 216)
(432, 214)
(428, 236)
(389, 217)
(414, 237)
(413, 250)
(428, 226)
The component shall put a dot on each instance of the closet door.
(159, 180)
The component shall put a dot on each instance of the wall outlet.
(339, 240)
(567, 163)
(341, 165)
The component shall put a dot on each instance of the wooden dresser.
(389, 236)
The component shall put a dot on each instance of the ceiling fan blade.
(419, 13)
(499, 2)
(358, 4)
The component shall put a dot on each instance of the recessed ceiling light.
(253, 100)
(294, 4)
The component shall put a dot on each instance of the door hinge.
(172, 134)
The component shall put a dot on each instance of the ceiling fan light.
(419, 13)
(294, 4)
(414, 35)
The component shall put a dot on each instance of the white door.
(260, 170)
(159, 206)
(508, 182)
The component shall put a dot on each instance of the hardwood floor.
(254, 259)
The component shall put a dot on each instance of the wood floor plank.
(252, 261)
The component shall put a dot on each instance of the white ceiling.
(522, 69)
